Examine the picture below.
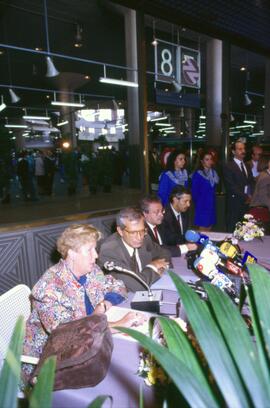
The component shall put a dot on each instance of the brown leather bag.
(83, 349)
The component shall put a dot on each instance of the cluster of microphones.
(222, 263)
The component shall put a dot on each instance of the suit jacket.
(113, 249)
(174, 249)
(171, 233)
(235, 181)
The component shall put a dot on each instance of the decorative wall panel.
(26, 254)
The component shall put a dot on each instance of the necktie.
(134, 264)
(179, 218)
(243, 169)
(155, 233)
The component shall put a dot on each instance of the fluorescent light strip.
(244, 126)
(250, 121)
(73, 104)
(169, 128)
(202, 117)
(169, 131)
(113, 81)
(163, 124)
(65, 122)
(161, 118)
(26, 117)
(17, 126)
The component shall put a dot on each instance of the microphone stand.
(148, 301)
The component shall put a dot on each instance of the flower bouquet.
(248, 229)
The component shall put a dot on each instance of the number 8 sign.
(165, 61)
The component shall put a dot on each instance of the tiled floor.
(60, 207)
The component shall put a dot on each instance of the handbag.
(83, 350)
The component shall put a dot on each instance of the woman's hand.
(131, 319)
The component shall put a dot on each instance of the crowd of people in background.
(32, 173)
(245, 178)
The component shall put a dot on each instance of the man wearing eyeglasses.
(153, 212)
(131, 248)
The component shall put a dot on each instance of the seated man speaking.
(175, 221)
(131, 248)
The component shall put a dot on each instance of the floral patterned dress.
(58, 297)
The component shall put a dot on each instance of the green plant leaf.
(181, 375)
(41, 395)
(240, 344)
(99, 401)
(10, 374)
(213, 346)
(260, 310)
(179, 345)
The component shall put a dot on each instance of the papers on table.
(218, 236)
(116, 313)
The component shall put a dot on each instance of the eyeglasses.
(157, 212)
(135, 233)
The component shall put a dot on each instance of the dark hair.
(233, 145)
(128, 214)
(171, 159)
(178, 191)
(201, 156)
(146, 201)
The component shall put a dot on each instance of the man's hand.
(160, 265)
(192, 247)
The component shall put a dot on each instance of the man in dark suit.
(175, 221)
(131, 248)
(153, 212)
(239, 185)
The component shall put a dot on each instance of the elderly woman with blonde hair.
(73, 288)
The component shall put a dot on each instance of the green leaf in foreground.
(10, 374)
(178, 343)
(181, 375)
(99, 401)
(240, 344)
(213, 346)
(41, 395)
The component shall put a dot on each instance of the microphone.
(110, 266)
(141, 301)
(196, 237)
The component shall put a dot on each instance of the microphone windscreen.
(192, 236)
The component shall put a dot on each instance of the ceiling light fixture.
(16, 126)
(70, 104)
(177, 86)
(114, 81)
(3, 105)
(29, 117)
(247, 100)
(14, 98)
(78, 36)
(157, 119)
(65, 122)
(51, 70)
(154, 41)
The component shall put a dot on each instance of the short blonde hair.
(75, 236)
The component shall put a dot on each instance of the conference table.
(122, 381)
